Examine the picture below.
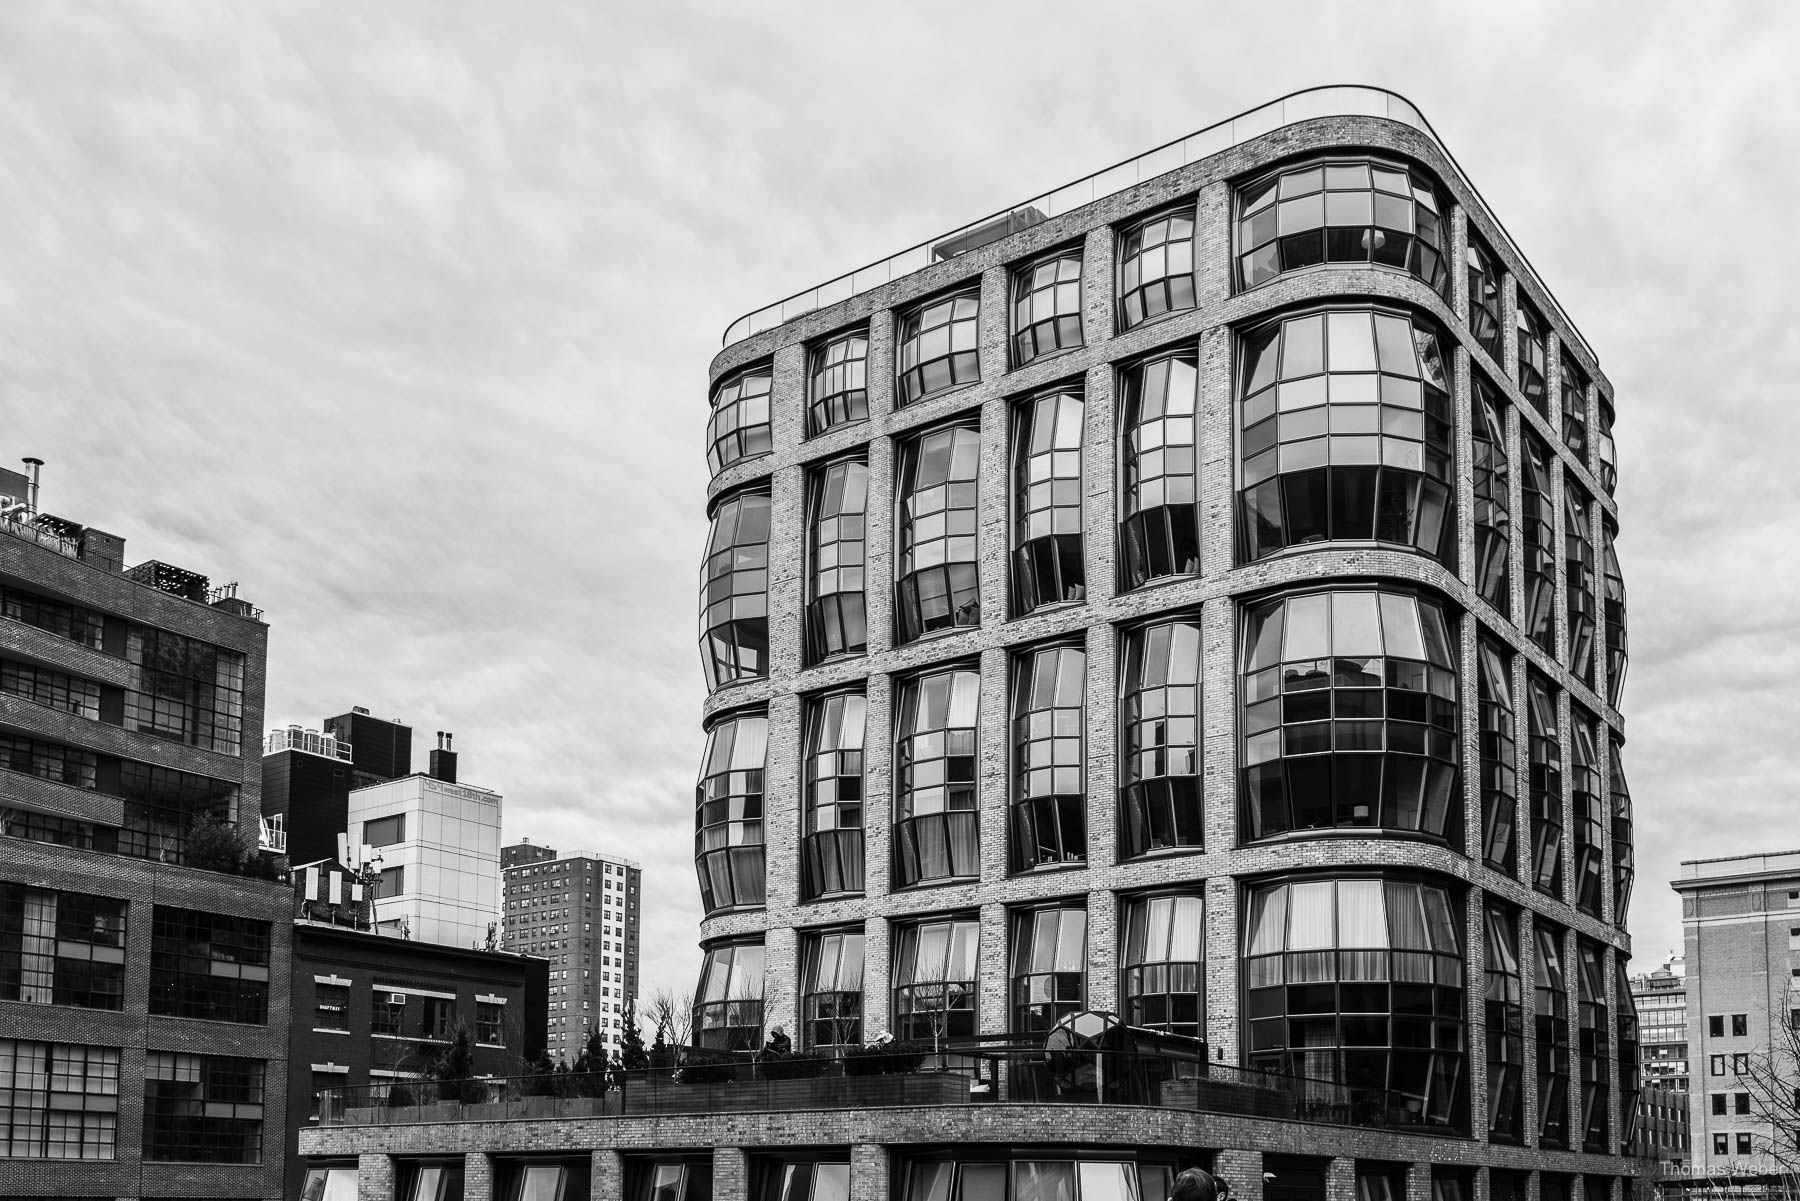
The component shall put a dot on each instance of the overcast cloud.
(400, 315)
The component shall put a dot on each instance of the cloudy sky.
(399, 314)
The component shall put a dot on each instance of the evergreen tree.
(631, 1043)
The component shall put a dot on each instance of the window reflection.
(1605, 450)
(728, 837)
(831, 990)
(1159, 716)
(934, 978)
(1350, 715)
(1047, 550)
(734, 593)
(837, 382)
(739, 428)
(937, 346)
(1368, 211)
(1546, 785)
(1049, 966)
(1346, 434)
(1552, 1003)
(1162, 964)
(1584, 779)
(728, 1003)
(1617, 657)
(832, 855)
(1630, 1077)
(1505, 1026)
(936, 827)
(1533, 356)
(1493, 500)
(1156, 267)
(1049, 815)
(1499, 775)
(1360, 982)
(1160, 534)
(1046, 303)
(1039, 1179)
(1540, 544)
(1596, 1035)
(1578, 575)
(1624, 863)
(939, 586)
(1574, 407)
(1484, 297)
(837, 609)
(676, 1180)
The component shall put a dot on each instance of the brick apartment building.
(1184, 600)
(143, 1000)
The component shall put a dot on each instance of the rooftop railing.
(714, 1082)
(22, 527)
(1345, 100)
(311, 741)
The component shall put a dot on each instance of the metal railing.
(23, 528)
(975, 1073)
(1342, 100)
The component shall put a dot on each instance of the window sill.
(332, 1030)
(1242, 289)
(1047, 355)
(1119, 322)
(902, 405)
(1046, 869)
(842, 425)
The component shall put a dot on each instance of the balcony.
(293, 738)
(272, 836)
(983, 1071)
(32, 528)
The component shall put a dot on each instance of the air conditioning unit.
(396, 998)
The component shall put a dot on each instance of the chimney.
(443, 759)
(36, 465)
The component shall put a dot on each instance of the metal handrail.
(1333, 100)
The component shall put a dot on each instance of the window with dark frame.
(1715, 1025)
(1716, 1065)
(837, 382)
(162, 806)
(202, 1108)
(937, 346)
(739, 426)
(728, 1004)
(938, 584)
(1163, 964)
(1048, 567)
(936, 826)
(1049, 965)
(935, 978)
(331, 1006)
(831, 854)
(1159, 726)
(734, 592)
(1740, 1025)
(61, 948)
(53, 689)
(62, 1099)
(1505, 1009)
(1578, 571)
(1551, 991)
(1484, 297)
(1545, 748)
(1540, 550)
(1743, 1143)
(1533, 355)
(1721, 1144)
(1046, 306)
(1493, 498)
(1156, 267)
(1606, 451)
(1497, 742)
(1574, 386)
(1740, 1103)
(1718, 1104)
(728, 817)
(74, 623)
(831, 1000)
(210, 966)
(1740, 1063)
(187, 691)
(837, 619)
(1365, 211)
(1159, 534)
(1049, 807)
(490, 1024)
(385, 831)
(1594, 1044)
(1589, 808)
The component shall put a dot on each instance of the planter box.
(1225, 1096)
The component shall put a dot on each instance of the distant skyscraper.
(439, 847)
(580, 911)
(1661, 998)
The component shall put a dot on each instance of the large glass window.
(1617, 652)
(728, 826)
(187, 690)
(1533, 356)
(1049, 966)
(1159, 717)
(1163, 964)
(739, 427)
(935, 978)
(1546, 784)
(1552, 998)
(804, 1180)
(937, 346)
(1574, 407)
(202, 1108)
(48, 761)
(62, 1101)
(1047, 562)
(675, 1180)
(1049, 814)
(837, 382)
(837, 621)
(79, 625)
(1499, 772)
(936, 827)
(162, 805)
(832, 855)
(1347, 434)
(209, 965)
(1156, 267)
(1038, 1179)
(439, 1180)
(939, 586)
(1159, 447)
(1630, 1070)
(1493, 502)
(1342, 212)
(53, 689)
(1590, 812)
(1360, 982)
(1596, 1036)
(329, 1184)
(1578, 574)
(1624, 863)
(1484, 297)
(1046, 304)
(831, 989)
(734, 593)
(61, 948)
(1540, 545)
(1606, 452)
(1505, 1026)
(728, 1004)
(1350, 715)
